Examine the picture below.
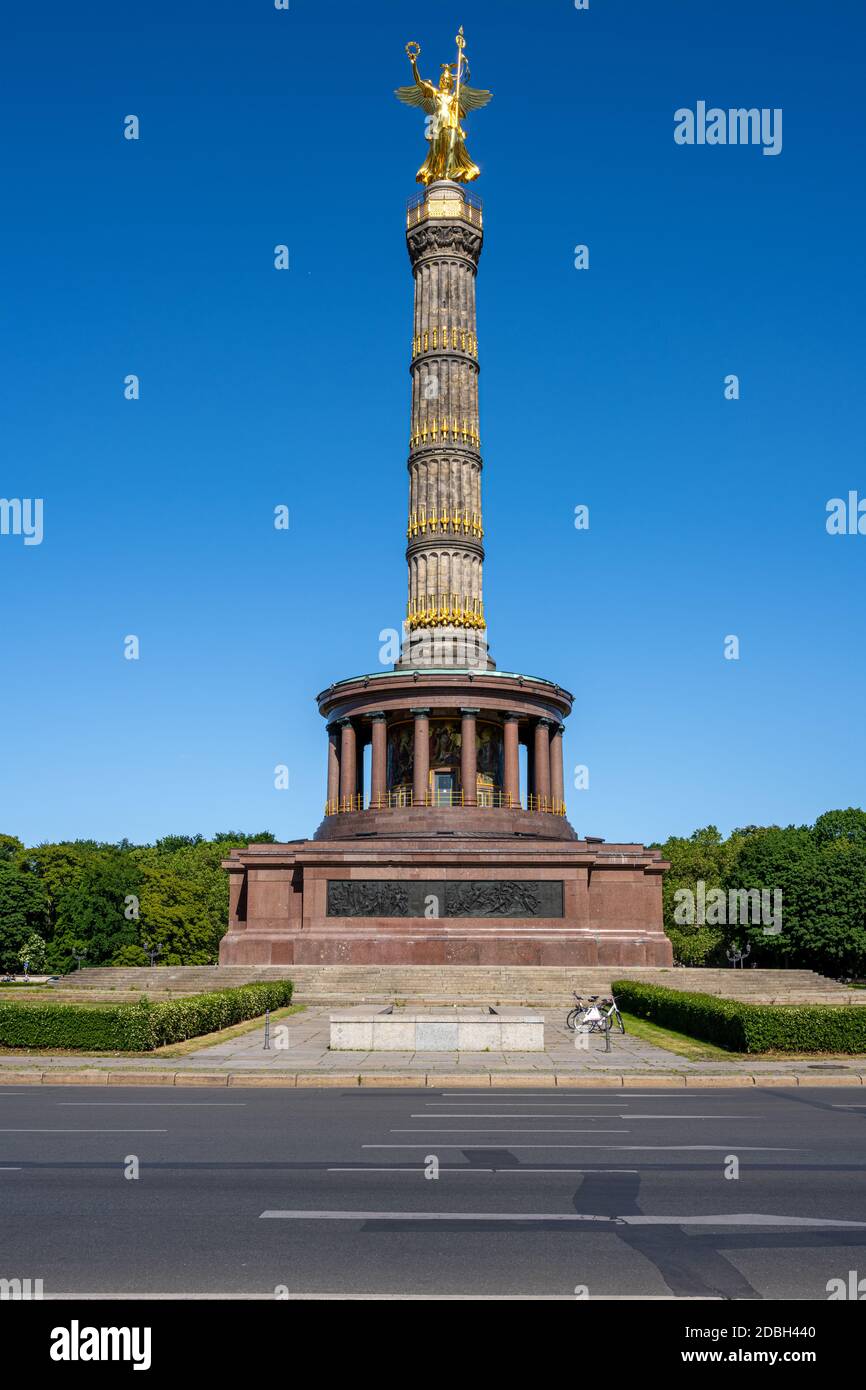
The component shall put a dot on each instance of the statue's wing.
(417, 96)
(471, 98)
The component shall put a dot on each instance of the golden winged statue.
(445, 104)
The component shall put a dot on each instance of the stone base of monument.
(504, 900)
(390, 1029)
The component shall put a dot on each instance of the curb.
(421, 1080)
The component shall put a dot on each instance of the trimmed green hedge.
(743, 1027)
(138, 1027)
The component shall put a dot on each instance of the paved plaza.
(299, 1048)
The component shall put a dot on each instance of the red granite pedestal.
(611, 904)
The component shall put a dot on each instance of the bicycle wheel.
(572, 1018)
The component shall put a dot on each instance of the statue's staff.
(461, 44)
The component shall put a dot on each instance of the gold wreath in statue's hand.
(413, 50)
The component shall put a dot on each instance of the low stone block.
(393, 1035)
(522, 1037)
(436, 1037)
(475, 1037)
(354, 1036)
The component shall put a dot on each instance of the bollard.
(607, 1034)
(267, 1028)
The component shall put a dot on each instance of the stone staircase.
(465, 984)
(172, 979)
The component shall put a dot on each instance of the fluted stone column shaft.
(333, 767)
(512, 760)
(379, 760)
(542, 759)
(468, 756)
(348, 761)
(421, 757)
(359, 768)
(557, 779)
(445, 551)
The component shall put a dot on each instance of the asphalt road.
(539, 1193)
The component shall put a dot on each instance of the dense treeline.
(108, 903)
(819, 870)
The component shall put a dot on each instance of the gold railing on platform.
(466, 209)
(486, 798)
(547, 804)
(345, 803)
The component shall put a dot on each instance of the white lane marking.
(523, 1169)
(419, 1168)
(10, 1170)
(725, 1219)
(416, 1170)
(549, 1115)
(642, 1148)
(855, 1105)
(83, 1131)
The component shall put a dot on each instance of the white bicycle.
(597, 1015)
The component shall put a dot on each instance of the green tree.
(23, 911)
(820, 873)
(702, 857)
(175, 915)
(96, 910)
(11, 849)
(847, 825)
(130, 955)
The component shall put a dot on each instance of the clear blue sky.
(260, 387)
